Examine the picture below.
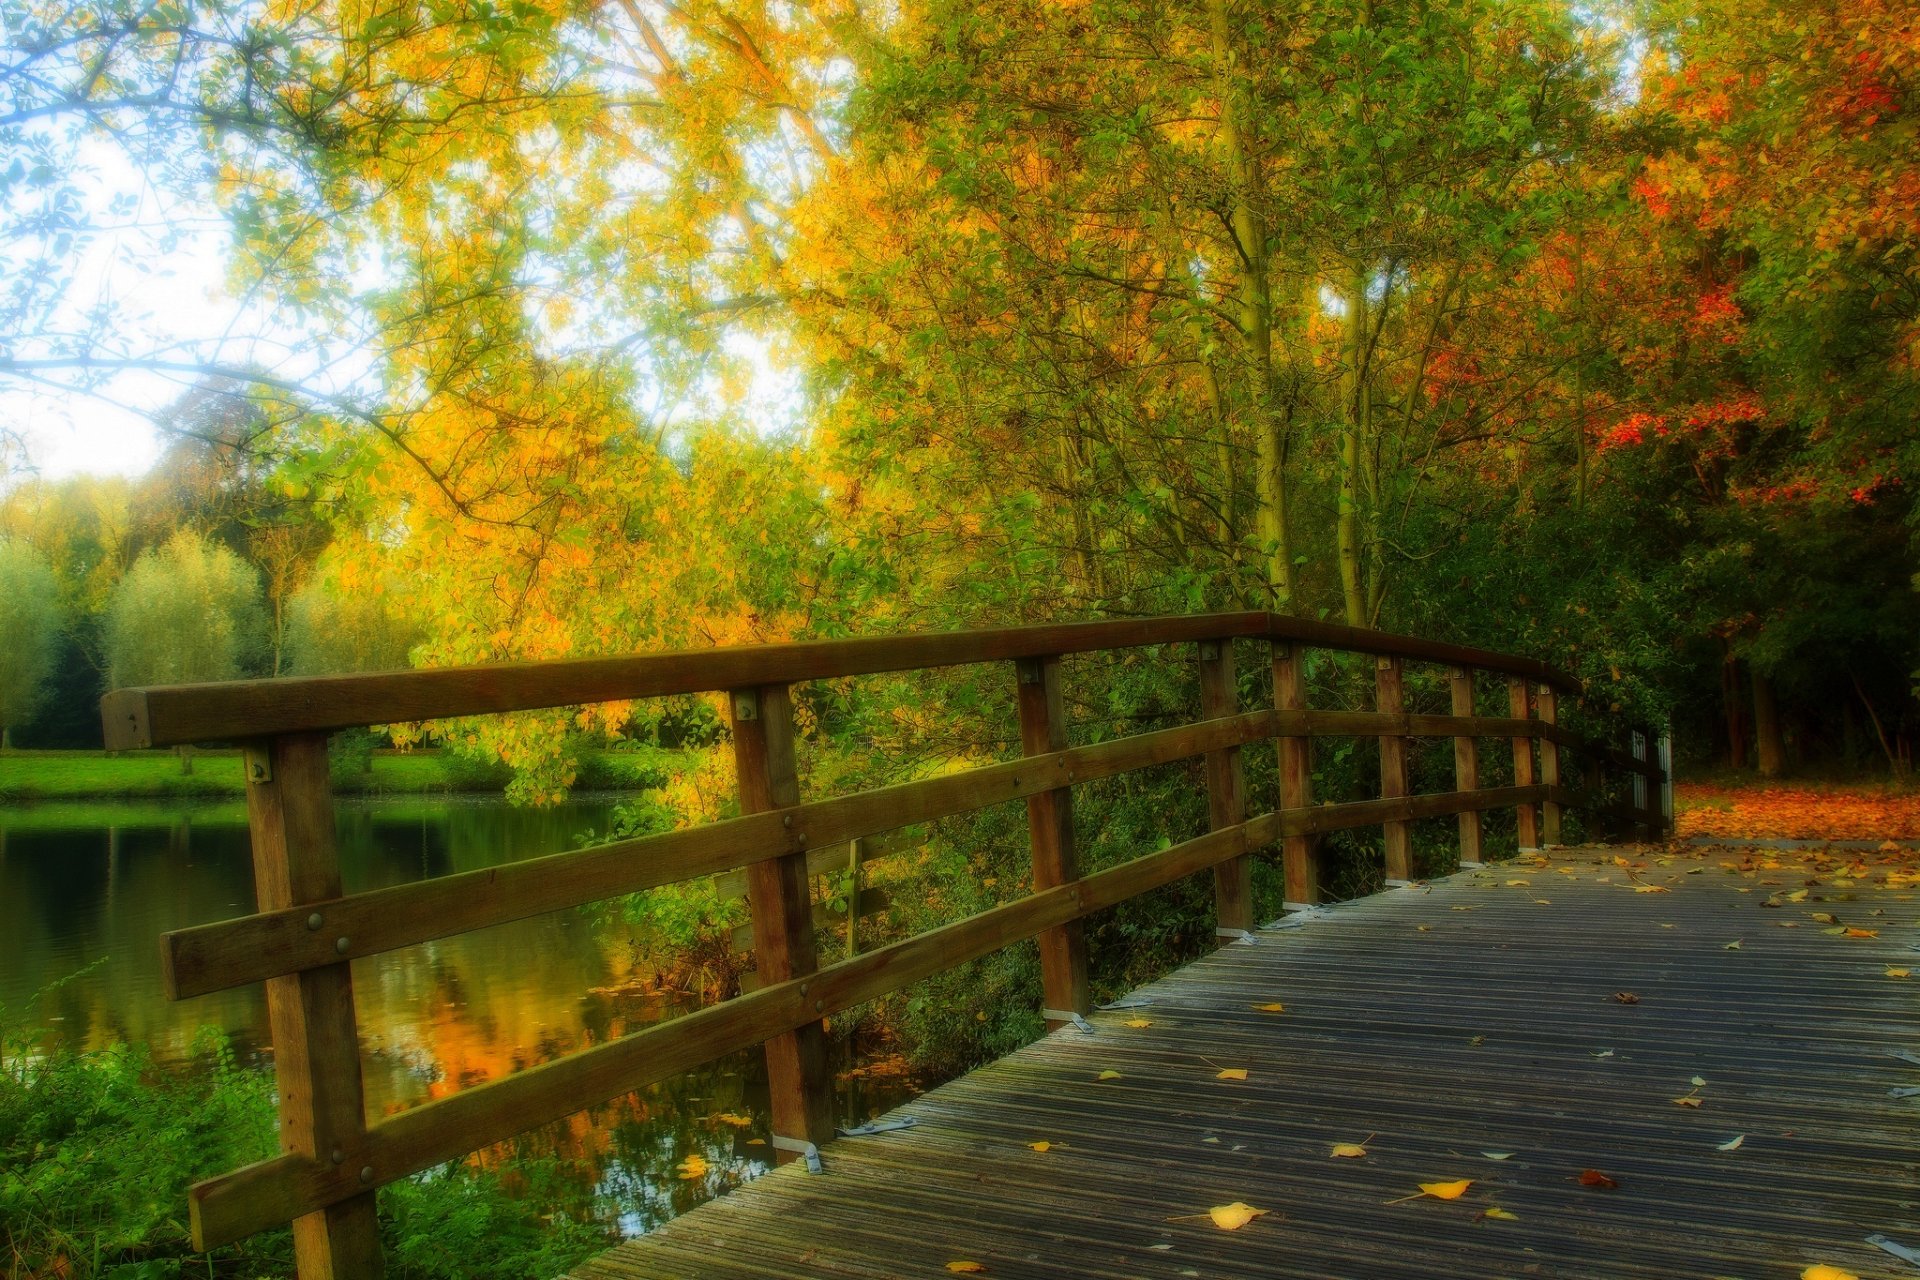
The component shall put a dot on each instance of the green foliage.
(30, 618)
(188, 611)
(97, 1149)
(332, 629)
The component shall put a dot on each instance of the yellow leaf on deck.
(1898, 973)
(1232, 1073)
(1138, 1022)
(1651, 888)
(694, 1166)
(1499, 1214)
(1732, 1144)
(1446, 1190)
(1732, 946)
(1862, 933)
(1823, 917)
(1347, 1151)
(1039, 1146)
(1273, 1007)
(1232, 1217)
(1518, 884)
(1688, 1101)
(1825, 1272)
(1798, 895)
(1108, 1074)
(965, 1267)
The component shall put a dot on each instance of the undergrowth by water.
(98, 1148)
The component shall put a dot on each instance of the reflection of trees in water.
(435, 1019)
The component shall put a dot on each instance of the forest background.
(1584, 331)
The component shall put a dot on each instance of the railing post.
(1549, 766)
(1466, 767)
(316, 1042)
(1226, 791)
(1390, 699)
(1643, 801)
(1063, 948)
(1519, 701)
(1665, 758)
(798, 1078)
(1299, 865)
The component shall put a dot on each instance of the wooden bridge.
(1445, 1019)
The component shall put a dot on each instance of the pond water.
(88, 890)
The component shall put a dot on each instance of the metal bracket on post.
(746, 706)
(805, 1150)
(259, 763)
(1062, 1015)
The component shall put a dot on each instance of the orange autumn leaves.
(1802, 811)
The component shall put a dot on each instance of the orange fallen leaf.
(1232, 1217)
(1040, 1146)
(965, 1267)
(1688, 1101)
(1232, 1073)
(1825, 1272)
(1862, 933)
(1893, 972)
(1626, 997)
(1595, 1178)
(1137, 1023)
(1446, 1190)
(1273, 1007)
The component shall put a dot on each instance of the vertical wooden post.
(798, 1078)
(1063, 948)
(1663, 755)
(1300, 866)
(1466, 767)
(1226, 791)
(1390, 699)
(316, 1042)
(1643, 800)
(1518, 700)
(853, 898)
(1549, 766)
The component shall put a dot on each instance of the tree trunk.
(1770, 748)
(185, 753)
(1352, 445)
(1251, 232)
(1736, 719)
(6, 738)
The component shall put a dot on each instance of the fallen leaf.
(1498, 1155)
(1733, 946)
(1688, 1101)
(965, 1267)
(1898, 973)
(1863, 933)
(694, 1166)
(1603, 1053)
(1822, 917)
(1446, 1190)
(1232, 1217)
(1040, 1146)
(1698, 1082)
(1651, 888)
(1595, 1178)
(1825, 1272)
(1108, 1074)
(1733, 1143)
(1518, 884)
(1626, 997)
(1798, 895)
(1499, 1214)
(1137, 1022)
(1274, 1007)
(735, 1119)
(1347, 1151)
(1232, 1073)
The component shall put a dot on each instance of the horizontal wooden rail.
(170, 715)
(307, 934)
(231, 953)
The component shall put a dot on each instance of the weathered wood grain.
(173, 714)
(1041, 699)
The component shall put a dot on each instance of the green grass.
(140, 775)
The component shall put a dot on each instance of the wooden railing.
(306, 930)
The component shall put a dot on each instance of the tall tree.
(30, 620)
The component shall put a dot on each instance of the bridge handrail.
(306, 931)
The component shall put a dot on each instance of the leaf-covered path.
(1643, 1065)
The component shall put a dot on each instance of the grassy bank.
(76, 775)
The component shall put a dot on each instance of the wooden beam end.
(124, 721)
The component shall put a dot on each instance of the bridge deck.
(1434, 1024)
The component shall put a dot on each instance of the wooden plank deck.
(1470, 1015)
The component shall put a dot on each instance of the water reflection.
(97, 885)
